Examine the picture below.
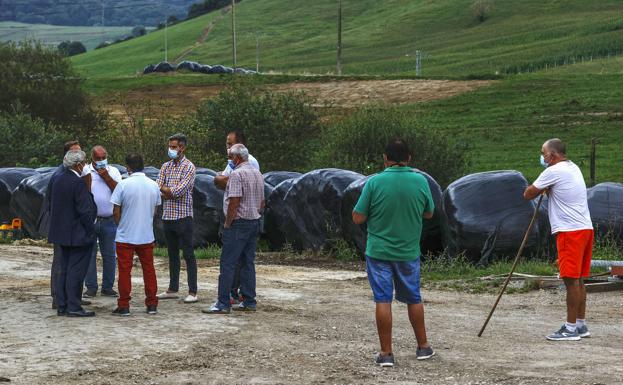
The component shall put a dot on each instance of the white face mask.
(543, 162)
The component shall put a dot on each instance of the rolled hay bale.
(313, 205)
(27, 202)
(487, 217)
(605, 202)
(207, 211)
(274, 178)
(10, 178)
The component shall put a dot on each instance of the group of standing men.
(393, 204)
(89, 204)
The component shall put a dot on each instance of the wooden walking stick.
(510, 275)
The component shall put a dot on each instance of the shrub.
(28, 142)
(43, 84)
(481, 9)
(357, 142)
(281, 129)
(71, 48)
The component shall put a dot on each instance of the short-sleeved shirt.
(568, 202)
(180, 178)
(229, 169)
(394, 202)
(100, 190)
(246, 183)
(138, 197)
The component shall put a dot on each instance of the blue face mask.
(172, 154)
(100, 164)
(543, 162)
(231, 164)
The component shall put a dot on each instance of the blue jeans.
(385, 276)
(105, 230)
(239, 242)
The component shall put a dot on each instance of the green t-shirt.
(394, 202)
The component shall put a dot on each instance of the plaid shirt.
(246, 183)
(180, 178)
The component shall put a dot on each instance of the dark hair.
(397, 151)
(240, 136)
(69, 145)
(181, 139)
(557, 146)
(134, 162)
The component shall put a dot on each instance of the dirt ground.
(314, 324)
(178, 99)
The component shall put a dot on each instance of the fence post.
(592, 170)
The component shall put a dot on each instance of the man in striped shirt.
(176, 181)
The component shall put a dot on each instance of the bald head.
(98, 153)
(554, 151)
(556, 146)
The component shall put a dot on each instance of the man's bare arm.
(220, 181)
(116, 213)
(359, 219)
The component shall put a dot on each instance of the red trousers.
(125, 255)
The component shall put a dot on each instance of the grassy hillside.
(54, 34)
(382, 36)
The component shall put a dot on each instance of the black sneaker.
(424, 353)
(384, 361)
(152, 309)
(89, 293)
(109, 293)
(121, 311)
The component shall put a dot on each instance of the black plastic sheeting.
(313, 204)
(204, 171)
(605, 202)
(487, 217)
(10, 178)
(273, 178)
(207, 211)
(195, 67)
(119, 167)
(276, 216)
(432, 229)
(27, 201)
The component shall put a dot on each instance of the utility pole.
(103, 33)
(418, 62)
(233, 30)
(166, 56)
(339, 37)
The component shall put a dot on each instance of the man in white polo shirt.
(571, 222)
(135, 200)
(104, 179)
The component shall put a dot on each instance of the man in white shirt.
(234, 137)
(571, 222)
(135, 200)
(103, 180)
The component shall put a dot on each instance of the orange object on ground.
(17, 224)
(575, 250)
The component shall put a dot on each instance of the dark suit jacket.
(73, 211)
(43, 222)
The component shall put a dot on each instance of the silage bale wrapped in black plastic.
(207, 211)
(164, 67)
(149, 69)
(432, 229)
(204, 171)
(204, 69)
(314, 203)
(10, 178)
(43, 170)
(187, 65)
(273, 178)
(487, 217)
(276, 216)
(122, 170)
(605, 202)
(27, 202)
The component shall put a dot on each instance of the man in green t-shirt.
(393, 204)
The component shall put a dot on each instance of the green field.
(558, 64)
(381, 37)
(55, 34)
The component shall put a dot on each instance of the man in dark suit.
(72, 227)
(44, 221)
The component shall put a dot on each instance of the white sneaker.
(167, 295)
(191, 299)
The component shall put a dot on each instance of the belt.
(98, 218)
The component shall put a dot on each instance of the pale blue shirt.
(138, 197)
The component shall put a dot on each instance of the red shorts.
(575, 249)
